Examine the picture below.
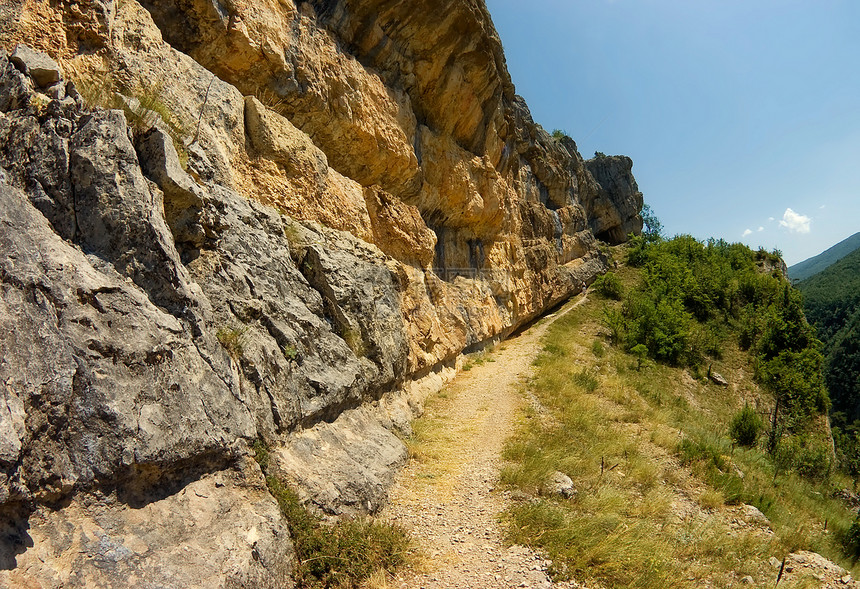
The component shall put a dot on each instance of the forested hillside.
(832, 304)
(812, 266)
(696, 295)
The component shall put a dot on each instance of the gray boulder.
(37, 65)
(561, 485)
(15, 86)
(345, 467)
(119, 219)
(718, 378)
(316, 311)
(183, 197)
(36, 159)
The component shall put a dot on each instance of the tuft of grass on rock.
(354, 340)
(233, 340)
(344, 554)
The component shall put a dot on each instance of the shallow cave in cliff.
(613, 236)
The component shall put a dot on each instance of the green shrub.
(807, 458)
(813, 462)
(609, 285)
(261, 454)
(745, 427)
(641, 352)
(851, 540)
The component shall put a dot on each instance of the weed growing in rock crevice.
(344, 554)
(233, 340)
(143, 105)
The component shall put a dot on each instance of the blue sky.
(742, 117)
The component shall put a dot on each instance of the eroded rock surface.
(225, 223)
(615, 208)
(221, 531)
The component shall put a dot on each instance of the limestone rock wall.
(235, 221)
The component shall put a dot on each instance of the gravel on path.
(450, 503)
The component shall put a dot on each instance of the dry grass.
(656, 473)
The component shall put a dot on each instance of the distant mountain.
(814, 265)
(831, 301)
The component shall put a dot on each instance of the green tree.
(746, 427)
(652, 228)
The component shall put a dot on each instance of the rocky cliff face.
(239, 221)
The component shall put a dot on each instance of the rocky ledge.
(224, 223)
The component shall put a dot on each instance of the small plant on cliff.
(144, 112)
(96, 85)
(291, 230)
(261, 454)
(270, 99)
(233, 340)
(290, 352)
(142, 106)
(559, 134)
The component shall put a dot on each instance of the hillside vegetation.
(832, 305)
(679, 478)
(812, 266)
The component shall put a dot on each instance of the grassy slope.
(660, 488)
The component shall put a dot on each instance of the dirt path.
(446, 498)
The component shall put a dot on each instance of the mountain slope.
(831, 302)
(815, 264)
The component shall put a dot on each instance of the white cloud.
(771, 219)
(822, 207)
(760, 228)
(747, 232)
(795, 222)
